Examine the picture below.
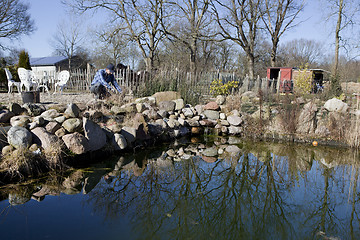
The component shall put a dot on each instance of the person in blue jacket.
(104, 83)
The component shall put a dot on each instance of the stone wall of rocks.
(162, 117)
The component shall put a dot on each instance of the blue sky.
(48, 13)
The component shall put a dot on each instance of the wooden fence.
(198, 83)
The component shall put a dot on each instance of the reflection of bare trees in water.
(238, 197)
(264, 191)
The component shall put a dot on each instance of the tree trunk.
(337, 38)
(251, 63)
(273, 53)
(148, 64)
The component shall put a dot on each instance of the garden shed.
(286, 77)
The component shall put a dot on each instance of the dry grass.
(21, 163)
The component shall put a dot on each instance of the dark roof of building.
(46, 61)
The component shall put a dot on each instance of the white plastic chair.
(11, 82)
(63, 77)
(27, 78)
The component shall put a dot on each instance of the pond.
(220, 188)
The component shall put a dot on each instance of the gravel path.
(49, 98)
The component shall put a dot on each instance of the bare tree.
(140, 19)
(278, 17)
(239, 21)
(191, 19)
(298, 52)
(14, 20)
(68, 39)
(345, 14)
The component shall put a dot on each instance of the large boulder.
(307, 117)
(95, 135)
(166, 96)
(44, 139)
(19, 137)
(76, 143)
(336, 105)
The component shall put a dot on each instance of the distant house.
(48, 66)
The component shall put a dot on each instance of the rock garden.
(39, 137)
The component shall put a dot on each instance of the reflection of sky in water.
(258, 195)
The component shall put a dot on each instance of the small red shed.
(286, 76)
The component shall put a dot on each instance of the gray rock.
(6, 150)
(163, 113)
(220, 99)
(95, 135)
(234, 130)
(60, 132)
(181, 121)
(211, 114)
(151, 114)
(187, 112)
(34, 109)
(76, 143)
(222, 116)
(172, 123)
(72, 125)
(199, 109)
(162, 123)
(72, 110)
(19, 137)
(16, 108)
(44, 139)
(150, 100)
(224, 123)
(129, 133)
(234, 120)
(307, 117)
(179, 104)
(167, 106)
(5, 115)
(50, 114)
(336, 105)
(38, 120)
(208, 122)
(113, 125)
(52, 127)
(60, 119)
(20, 121)
(119, 141)
(192, 123)
(140, 107)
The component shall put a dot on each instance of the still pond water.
(218, 189)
